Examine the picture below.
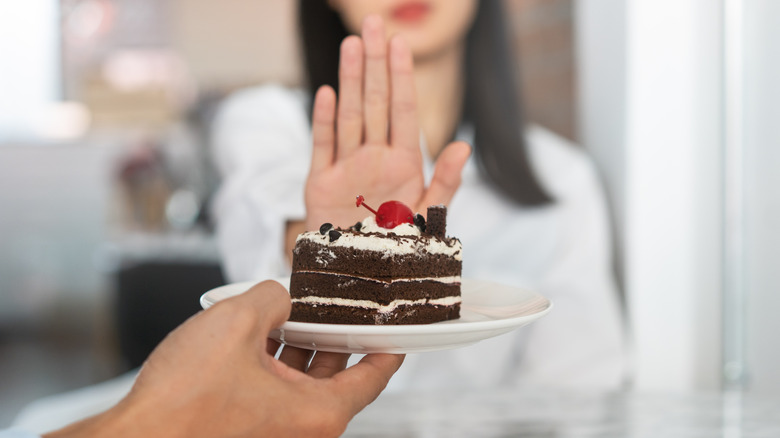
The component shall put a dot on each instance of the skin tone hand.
(216, 375)
(368, 142)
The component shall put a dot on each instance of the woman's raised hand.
(368, 142)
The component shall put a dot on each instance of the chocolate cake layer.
(304, 284)
(312, 256)
(417, 314)
(366, 275)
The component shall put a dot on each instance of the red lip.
(411, 12)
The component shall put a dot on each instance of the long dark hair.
(491, 96)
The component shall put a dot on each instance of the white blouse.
(262, 141)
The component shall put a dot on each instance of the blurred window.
(29, 66)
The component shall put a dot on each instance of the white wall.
(673, 166)
(762, 180)
(53, 205)
(651, 116)
(29, 64)
(600, 38)
(236, 42)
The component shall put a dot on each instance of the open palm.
(369, 142)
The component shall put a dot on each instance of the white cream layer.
(387, 245)
(366, 304)
(369, 225)
(446, 280)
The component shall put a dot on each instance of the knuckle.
(449, 183)
(376, 54)
(349, 113)
(322, 143)
(376, 97)
(405, 106)
(323, 118)
(324, 424)
(350, 73)
(239, 318)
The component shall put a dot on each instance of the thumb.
(359, 385)
(270, 304)
(446, 174)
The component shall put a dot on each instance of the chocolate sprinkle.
(357, 226)
(333, 235)
(325, 227)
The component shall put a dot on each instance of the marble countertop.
(515, 413)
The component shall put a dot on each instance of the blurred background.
(106, 175)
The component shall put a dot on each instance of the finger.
(270, 304)
(327, 364)
(297, 358)
(404, 130)
(361, 383)
(350, 112)
(446, 174)
(375, 89)
(250, 316)
(323, 129)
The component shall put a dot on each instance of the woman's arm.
(262, 150)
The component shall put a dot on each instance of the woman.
(528, 209)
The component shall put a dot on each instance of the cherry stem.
(361, 201)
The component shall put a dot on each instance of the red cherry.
(390, 214)
(394, 213)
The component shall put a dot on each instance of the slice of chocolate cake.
(372, 274)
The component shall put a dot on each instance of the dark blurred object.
(544, 39)
(153, 298)
(145, 187)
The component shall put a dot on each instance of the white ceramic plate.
(488, 310)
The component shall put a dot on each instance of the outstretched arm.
(216, 375)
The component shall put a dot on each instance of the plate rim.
(453, 326)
